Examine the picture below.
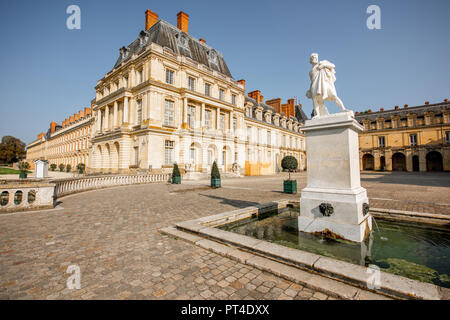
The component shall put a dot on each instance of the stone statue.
(322, 86)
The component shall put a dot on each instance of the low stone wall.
(22, 195)
(74, 185)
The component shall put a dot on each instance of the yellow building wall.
(258, 168)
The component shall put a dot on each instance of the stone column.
(133, 111)
(144, 107)
(184, 124)
(422, 160)
(217, 118)
(107, 118)
(115, 114)
(99, 120)
(125, 110)
(409, 155)
(231, 122)
(203, 116)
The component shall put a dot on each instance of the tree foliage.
(11, 149)
(215, 174)
(289, 163)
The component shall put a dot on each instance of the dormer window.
(182, 41)
(233, 99)
(212, 57)
(221, 94)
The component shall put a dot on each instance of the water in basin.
(420, 252)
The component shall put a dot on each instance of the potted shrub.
(289, 164)
(23, 167)
(61, 167)
(53, 166)
(215, 176)
(81, 167)
(68, 168)
(176, 176)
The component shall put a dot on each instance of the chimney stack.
(150, 19)
(183, 21)
(202, 40)
(242, 81)
(427, 102)
(396, 108)
(53, 126)
(255, 95)
(445, 100)
(405, 106)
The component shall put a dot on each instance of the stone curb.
(392, 285)
(411, 214)
(310, 280)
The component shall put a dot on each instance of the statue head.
(314, 58)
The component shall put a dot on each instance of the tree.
(81, 167)
(176, 171)
(61, 167)
(68, 168)
(289, 163)
(11, 149)
(53, 166)
(215, 174)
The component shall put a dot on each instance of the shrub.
(81, 167)
(289, 163)
(24, 166)
(61, 167)
(176, 171)
(53, 166)
(215, 174)
(68, 168)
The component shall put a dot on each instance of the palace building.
(67, 143)
(171, 98)
(406, 139)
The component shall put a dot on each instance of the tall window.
(208, 119)
(249, 134)
(234, 124)
(139, 76)
(139, 111)
(125, 82)
(269, 138)
(447, 137)
(169, 113)
(221, 121)
(284, 141)
(259, 136)
(192, 154)
(413, 139)
(207, 89)
(221, 94)
(381, 142)
(168, 154)
(191, 83)
(136, 156)
(247, 112)
(169, 76)
(191, 116)
(233, 99)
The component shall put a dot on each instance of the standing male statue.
(322, 86)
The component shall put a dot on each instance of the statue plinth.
(333, 201)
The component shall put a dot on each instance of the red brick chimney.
(445, 100)
(396, 108)
(242, 81)
(275, 103)
(255, 95)
(53, 126)
(202, 40)
(405, 106)
(183, 21)
(381, 109)
(427, 102)
(150, 19)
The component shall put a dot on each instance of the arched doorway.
(434, 161)
(368, 162)
(415, 163)
(398, 162)
(382, 163)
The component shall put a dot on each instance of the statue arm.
(326, 64)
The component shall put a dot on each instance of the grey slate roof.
(181, 43)
(403, 112)
(300, 115)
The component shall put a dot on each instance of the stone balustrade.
(21, 195)
(73, 185)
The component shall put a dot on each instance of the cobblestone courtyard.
(112, 235)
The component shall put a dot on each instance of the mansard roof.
(300, 115)
(437, 108)
(181, 43)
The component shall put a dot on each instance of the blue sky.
(49, 72)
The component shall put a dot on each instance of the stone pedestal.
(333, 178)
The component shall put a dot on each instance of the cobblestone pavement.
(112, 235)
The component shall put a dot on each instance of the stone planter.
(22, 175)
(176, 180)
(215, 183)
(290, 186)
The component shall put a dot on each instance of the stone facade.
(64, 144)
(171, 98)
(406, 139)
